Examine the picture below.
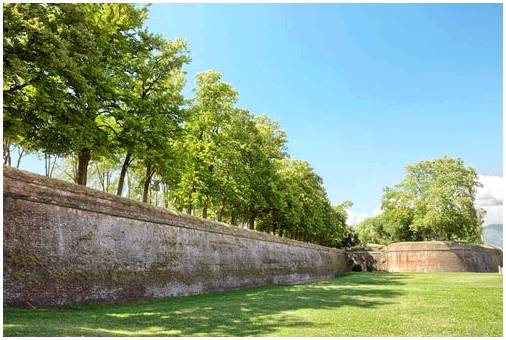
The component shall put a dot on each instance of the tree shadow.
(245, 312)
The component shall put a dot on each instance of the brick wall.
(442, 257)
(429, 257)
(66, 244)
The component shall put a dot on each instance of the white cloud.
(376, 211)
(490, 198)
(355, 218)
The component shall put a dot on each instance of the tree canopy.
(63, 64)
(90, 85)
(434, 201)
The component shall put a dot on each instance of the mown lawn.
(358, 304)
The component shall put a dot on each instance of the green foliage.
(62, 66)
(150, 113)
(302, 210)
(434, 201)
(206, 142)
(349, 237)
(371, 230)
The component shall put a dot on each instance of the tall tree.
(212, 108)
(434, 201)
(62, 63)
(302, 210)
(267, 146)
(150, 114)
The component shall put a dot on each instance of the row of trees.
(89, 84)
(435, 201)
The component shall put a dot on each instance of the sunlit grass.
(367, 304)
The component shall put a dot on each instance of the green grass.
(363, 304)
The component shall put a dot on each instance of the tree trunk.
(101, 177)
(7, 153)
(165, 196)
(52, 165)
(129, 182)
(147, 181)
(251, 221)
(190, 205)
(82, 166)
(222, 210)
(21, 153)
(233, 218)
(204, 211)
(47, 163)
(108, 182)
(122, 174)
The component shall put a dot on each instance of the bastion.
(442, 257)
(434, 256)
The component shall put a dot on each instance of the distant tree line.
(100, 97)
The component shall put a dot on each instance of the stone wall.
(66, 244)
(429, 257)
(442, 257)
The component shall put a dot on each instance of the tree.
(62, 63)
(204, 141)
(344, 233)
(102, 173)
(266, 145)
(150, 113)
(34, 55)
(434, 201)
(301, 209)
(371, 230)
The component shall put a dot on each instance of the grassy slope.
(367, 304)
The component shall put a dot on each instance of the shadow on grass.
(246, 312)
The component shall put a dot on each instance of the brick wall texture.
(442, 257)
(430, 257)
(66, 244)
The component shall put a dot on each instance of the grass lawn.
(357, 304)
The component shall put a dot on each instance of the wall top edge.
(62, 192)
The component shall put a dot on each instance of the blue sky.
(361, 90)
